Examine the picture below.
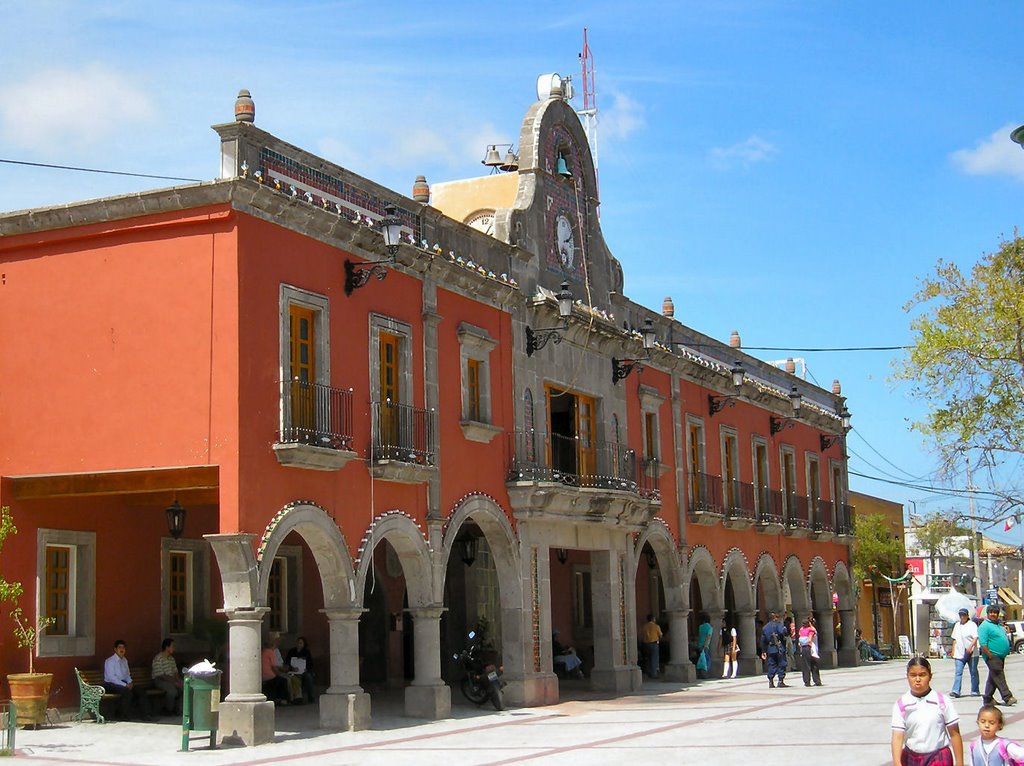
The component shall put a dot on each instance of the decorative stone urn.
(30, 692)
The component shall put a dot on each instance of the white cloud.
(619, 121)
(73, 108)
(994, 155)
(754, 150)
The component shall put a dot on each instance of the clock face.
(482, 222)
(565, 242)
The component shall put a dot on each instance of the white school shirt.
(923, 721)
(963, 634)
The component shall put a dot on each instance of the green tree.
(875, 548)
(967, 359)
(940, 535)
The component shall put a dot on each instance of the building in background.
(883, 608)
(389, 422)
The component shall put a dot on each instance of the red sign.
(916, 566)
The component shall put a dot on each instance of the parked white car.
(1016, 635)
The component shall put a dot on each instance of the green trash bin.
(200, 706)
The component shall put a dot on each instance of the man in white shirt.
(117, 679)
(965, 652)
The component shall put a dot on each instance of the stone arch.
(659, 537)
(794, 577)
(485, 512)
(842, 586)
(326, 543)
(766, 575)
(736, 571)
(405, 536)
(821, 607)
(703, 571)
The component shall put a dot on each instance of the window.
(473, 410)
(571, 429)
(59, 576)
(788, 460)
(650, 404)
(284, 588)
(695, 458)
(475, 346)
(277, 596)
(185, 597)
(760, 448)
(66, 573)
(813, 479)
(730, 469)
(582, 604)
(304, 362)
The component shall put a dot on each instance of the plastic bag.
(702, 661)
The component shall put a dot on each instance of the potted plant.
(29, 691)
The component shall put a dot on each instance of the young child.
(993, 750)
(925, 725)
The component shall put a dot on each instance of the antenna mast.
(588, 114)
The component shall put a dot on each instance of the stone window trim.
(475, 343)
(691, 422)
(650, 398)
(812, 463)
(321, 305)
(384, 324)
(726, 433)
(199, 577)
(81, 638)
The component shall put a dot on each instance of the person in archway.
(773, 651)
(650, 636)
(274, 675)
(704, 633)
(299, 663)
(730, 667)
(564, 658)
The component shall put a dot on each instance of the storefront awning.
(1008, 597)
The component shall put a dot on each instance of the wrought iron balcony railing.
(705, 493)
(579, 463)
(824, 521)
(797, 511)
(403, 433)
(771, 510)
(316, 415)
(740, 502)
(844, 519)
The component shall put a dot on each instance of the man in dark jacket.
(773, 651)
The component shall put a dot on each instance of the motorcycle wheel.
(475, 694)
(497, 697)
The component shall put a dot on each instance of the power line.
(951, 492)
(95, 170)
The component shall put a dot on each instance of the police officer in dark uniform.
(773, 651)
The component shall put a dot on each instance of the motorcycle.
(483, 679)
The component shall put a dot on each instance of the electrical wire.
(949, 491)
(97, 170)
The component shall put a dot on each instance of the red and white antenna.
(588, 115)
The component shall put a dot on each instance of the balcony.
(562, 476)
(844, 521)
(705, 499)
(740, 506)
(770, 517)
(403, 447)
(316, 428)
(823, 524)
(798, 515)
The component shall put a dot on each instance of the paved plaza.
(738, 721)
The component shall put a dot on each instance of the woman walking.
(808, 640)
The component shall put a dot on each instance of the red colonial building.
(390, 420)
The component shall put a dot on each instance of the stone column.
(246, 716)
(749, 643)
(679, 667)
(531, 680)
(826, 639)
(611, 671)
(848, 655)
(344, 705)
(428, 696)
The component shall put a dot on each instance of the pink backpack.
(1003, 753)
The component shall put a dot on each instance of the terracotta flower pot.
(30, 692)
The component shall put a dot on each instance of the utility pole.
(974, 528)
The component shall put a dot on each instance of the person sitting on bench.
(565, 658)
(166, 677)
(118, 680)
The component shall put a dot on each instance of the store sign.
(916, 566)
(884, 598)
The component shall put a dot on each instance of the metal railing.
(8, 727)
(403, 433)
(705, 493)
(797, 511)
(844, 519)
(743, 505)
(823, 518)
(575, 462)
(317, 415)
(771, 510)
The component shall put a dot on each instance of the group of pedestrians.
(925, 723)
(778, 639)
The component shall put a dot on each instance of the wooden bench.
(92, 693)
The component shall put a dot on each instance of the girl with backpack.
(925, 725)
(991, 749)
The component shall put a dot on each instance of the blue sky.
(784, 169)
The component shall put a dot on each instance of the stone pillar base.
(430, 702)
(750, 666)
(347, 712)
(246, 723)
(849, 658)
(536, 690)
(683, 672)
(828, 659)
(619, 679)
